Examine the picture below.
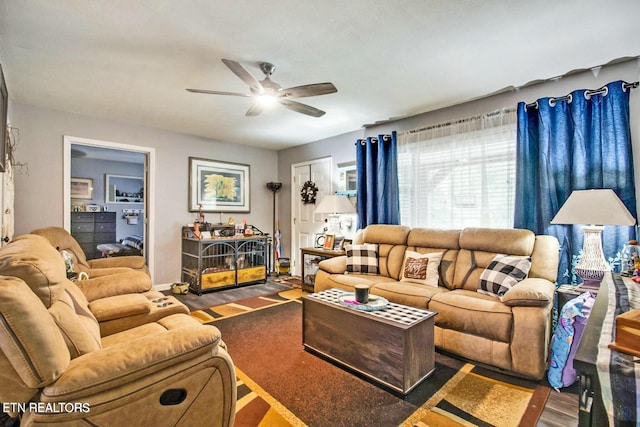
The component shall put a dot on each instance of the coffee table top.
(397, 313)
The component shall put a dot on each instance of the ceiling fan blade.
(301, 108)
(310, 90)
(216, 92)
(256, 109)
(244, 75)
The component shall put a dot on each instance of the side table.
(568, 292)
(310, 258)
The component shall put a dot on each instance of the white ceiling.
(131, 60)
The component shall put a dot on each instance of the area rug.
(222, 296)
(280, 384)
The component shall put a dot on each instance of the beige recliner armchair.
(118, 301)
(57, 369)
(107, 276)
(61, 239)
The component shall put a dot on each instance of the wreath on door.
(308, 192)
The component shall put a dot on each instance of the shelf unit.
(311, 257)
(223, 262)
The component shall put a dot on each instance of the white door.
(305, 223)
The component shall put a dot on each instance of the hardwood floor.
(561, 409)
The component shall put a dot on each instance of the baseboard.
(162, 287)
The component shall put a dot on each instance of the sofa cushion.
(362, 259)
(34, 260)
(421, 268)
(407, 293)
(427, 240)
(473, 314)
(503, 273)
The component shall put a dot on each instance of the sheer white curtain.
(459, 174)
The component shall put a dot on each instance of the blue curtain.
(577, 142)
(377, 180)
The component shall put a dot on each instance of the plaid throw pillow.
(502, 273)
(362, 259)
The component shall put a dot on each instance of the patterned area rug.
(280, 384)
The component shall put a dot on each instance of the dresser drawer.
(82, 217)
(108, 237)
(80, 227)
(99, 227)
(105, 217)
(83, 238)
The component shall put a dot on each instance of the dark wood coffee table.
(392, 347)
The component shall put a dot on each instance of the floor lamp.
(274, 187)
(595, 208)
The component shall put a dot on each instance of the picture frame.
(81, 188)
(345, 242)
(329, 241)
(338, 242)
(318, 240)
(216, 186)
(4, 120)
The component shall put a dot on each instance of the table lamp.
(334, 205)
(595, 209)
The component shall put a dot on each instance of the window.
(457, 175)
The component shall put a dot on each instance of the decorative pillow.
(421, 268)
(502, 273)
(362, 259)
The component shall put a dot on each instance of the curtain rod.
(587, 94)
(374, 139)
(464, 120)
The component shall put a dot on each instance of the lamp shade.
(335, 204)
(597, 207)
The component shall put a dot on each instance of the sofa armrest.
(130, 282)
(335, 265)
(530, 292)
(119, 306)
(131, 261)
(132, 360)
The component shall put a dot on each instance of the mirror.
(347, 175)
(124, 189)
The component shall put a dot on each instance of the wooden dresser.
(93, 228)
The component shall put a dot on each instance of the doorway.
(305, 223)
(106, 160)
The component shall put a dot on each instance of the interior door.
(305, 222)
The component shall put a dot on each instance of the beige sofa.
(510, 333)
(57, 368)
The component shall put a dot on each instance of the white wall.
(39, 198)
(342, 147)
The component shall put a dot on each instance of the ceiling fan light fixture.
(267, 92)
(266, 99)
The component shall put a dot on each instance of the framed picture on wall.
(81, 188)
(216, 186)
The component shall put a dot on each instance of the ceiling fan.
(267, 91)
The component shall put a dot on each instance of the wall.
(39, 195)
(342, 149)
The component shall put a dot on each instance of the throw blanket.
(617, 371)
(133, 241)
